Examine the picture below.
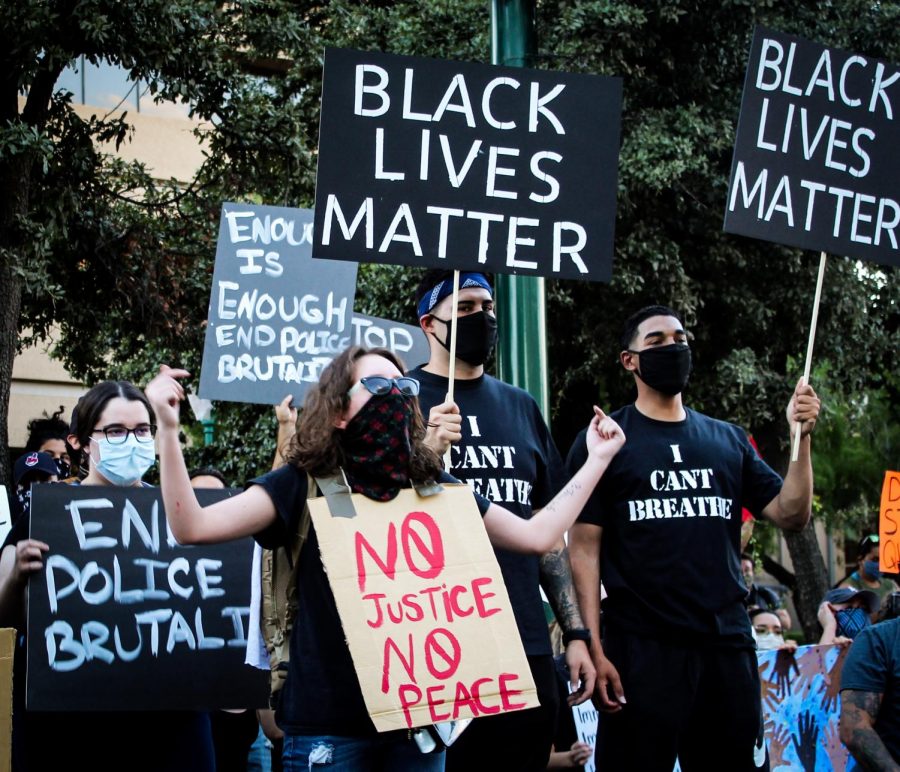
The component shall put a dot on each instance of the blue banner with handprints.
(801, 705)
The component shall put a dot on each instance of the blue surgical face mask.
(870, 569)
(851, 621)
(126, 462)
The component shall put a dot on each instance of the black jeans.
(697, 702)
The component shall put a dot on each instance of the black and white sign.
(123, 618)
(459, 165)
(405, 340)
(276, 317)
(816, 162)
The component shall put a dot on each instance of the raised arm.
(287, 428)
(792, 507)
(241, 515)
(539, 534)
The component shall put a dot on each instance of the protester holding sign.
(501, 446)
(360, 418)
(111, 441)
(677, 658)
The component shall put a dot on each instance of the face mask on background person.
(769, 641)
(124, 463)
(871, 570)
(64, 468)
(665, 369)
(851, 621)
(476, 336)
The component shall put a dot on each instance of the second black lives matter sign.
(817, 155)
(470, 166)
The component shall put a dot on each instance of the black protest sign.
(816, 162)
(406, 341)
(123, 618)
(276, 317)
(459, 165)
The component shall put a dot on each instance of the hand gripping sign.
(424, 608)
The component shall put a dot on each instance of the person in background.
(111, 443)
(867, 575)
(32, 467)
(870, 698)
(49, 436)
(845, 613)
(768, 632)
(757, 596)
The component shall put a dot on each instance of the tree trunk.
(14, 186)
(810, 574)
(811, 577)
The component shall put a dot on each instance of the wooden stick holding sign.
(795, 445)
(451, 375)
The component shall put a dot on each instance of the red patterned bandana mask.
(377, 448)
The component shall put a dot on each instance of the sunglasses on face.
(379, 386)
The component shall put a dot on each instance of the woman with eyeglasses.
(363, 418)
(111, 444)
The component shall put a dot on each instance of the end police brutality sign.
(469, 166)
(816, 162)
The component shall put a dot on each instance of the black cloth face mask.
(665, 369)
(377, 448)
(476, 336)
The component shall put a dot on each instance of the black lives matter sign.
(816, 162)
(122, 617)
(470, 166)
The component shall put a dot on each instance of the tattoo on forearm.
(556, 579)
(859, 710)
(570, 490)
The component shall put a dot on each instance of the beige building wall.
(166, 143)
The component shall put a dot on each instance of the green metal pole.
(521, 310)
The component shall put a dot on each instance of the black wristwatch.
(577, 635)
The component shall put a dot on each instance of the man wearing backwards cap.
(501, 447)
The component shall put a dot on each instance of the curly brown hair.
(316, 445)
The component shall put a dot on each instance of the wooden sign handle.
(795, 446)
(451, 375)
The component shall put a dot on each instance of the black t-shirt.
(873, 665)
(670, 508)
(321, 694)
(507, 455)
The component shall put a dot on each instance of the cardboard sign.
(276, 318)
(424, 609)
(815, 159)
(457, 165)
(889, 519)
(123, 618)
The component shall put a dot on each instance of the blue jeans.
(388, 752)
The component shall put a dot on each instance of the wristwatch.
(577, 635)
